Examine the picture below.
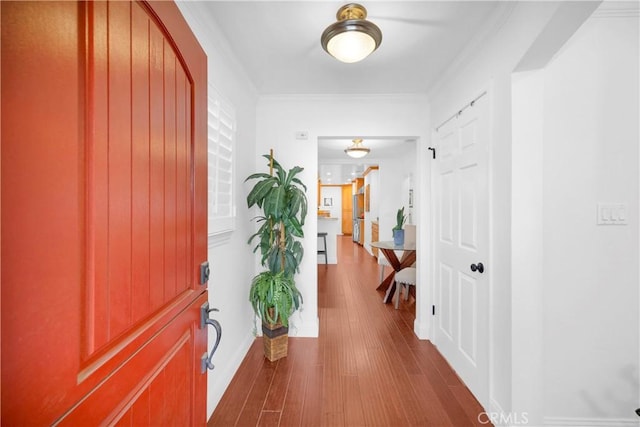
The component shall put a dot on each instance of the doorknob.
(477, 267)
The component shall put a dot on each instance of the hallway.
(366, 368)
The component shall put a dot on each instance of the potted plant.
(273, 294)
(398, 231)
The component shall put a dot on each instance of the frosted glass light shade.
(351, 46)
(357, 153)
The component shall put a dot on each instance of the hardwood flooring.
(366, 368)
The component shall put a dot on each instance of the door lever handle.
(477, 267)
(204, 321)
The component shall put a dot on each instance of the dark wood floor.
(367, 368)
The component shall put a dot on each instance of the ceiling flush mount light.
(356, 150)
(352, 38)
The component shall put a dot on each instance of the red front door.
(103, 191)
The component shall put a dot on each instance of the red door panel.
(103, 214)
(157, 383)
(121, 162)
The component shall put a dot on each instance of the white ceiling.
(278, 45)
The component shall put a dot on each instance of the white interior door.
(462, 246)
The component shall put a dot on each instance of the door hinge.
(433, 310)
(433, 151)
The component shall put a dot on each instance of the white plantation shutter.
(222, 136)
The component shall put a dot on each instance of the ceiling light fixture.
(357, 151)
(352, 38)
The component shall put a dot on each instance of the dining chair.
(404, 278)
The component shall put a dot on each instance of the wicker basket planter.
(275, 339)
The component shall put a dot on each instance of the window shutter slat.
(222, 128)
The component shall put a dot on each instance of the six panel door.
(462, 242)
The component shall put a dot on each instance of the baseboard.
(591, 422)
(222, 378)
(421, 329)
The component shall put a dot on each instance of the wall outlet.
(302, 134)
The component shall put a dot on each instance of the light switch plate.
(612, 214)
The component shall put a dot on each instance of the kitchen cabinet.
(347, 210)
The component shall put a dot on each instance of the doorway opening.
(360, 197)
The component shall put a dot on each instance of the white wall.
(590, 284)
(228, 256)
(321, 116)
(393, 196)
(335, 194)
(527, 229)
(575, 145)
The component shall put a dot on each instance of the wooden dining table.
(408, 257)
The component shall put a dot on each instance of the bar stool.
(324, 248)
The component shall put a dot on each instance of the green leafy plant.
(401, 218)
(281, 196)
(274, 296)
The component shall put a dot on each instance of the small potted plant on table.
(273, 294)
(398, 231)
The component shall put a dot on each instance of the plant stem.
(282, 245)
(271, 161)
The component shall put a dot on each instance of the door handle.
(204, 321)
(477, 267)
